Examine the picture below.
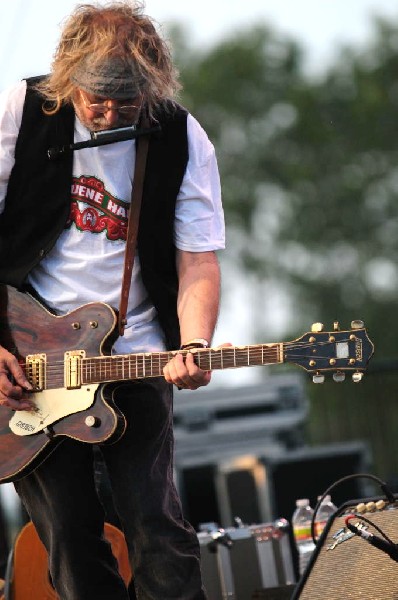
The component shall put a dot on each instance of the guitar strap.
(132, 226)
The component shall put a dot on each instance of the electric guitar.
(64, 359)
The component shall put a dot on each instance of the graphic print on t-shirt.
(94, 209)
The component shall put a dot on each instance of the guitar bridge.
(73, 361)
(36, 371)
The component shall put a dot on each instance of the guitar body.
(65, 359)
(26, 327)
(29, 577)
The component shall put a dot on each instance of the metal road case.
(238, 561)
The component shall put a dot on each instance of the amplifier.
(345, 565)
(238, 561)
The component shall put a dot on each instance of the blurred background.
(301, 102)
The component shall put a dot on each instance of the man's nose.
(112, 115)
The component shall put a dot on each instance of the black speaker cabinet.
(345, 565)
(260, 488)
(307, 472)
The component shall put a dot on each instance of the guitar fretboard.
(138, 366)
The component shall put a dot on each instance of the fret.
(158, 368)
(104, 369)
(148, 369)
(98, 370)
(150, 364)
(240, 356)
(215, 362)
(84, 371)
(147, 365)
(280, 355)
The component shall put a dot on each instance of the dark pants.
(61, 499)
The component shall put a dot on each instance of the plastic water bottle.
(325, 510)
(301, 524)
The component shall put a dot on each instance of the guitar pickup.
(73, 371)
(36, 370)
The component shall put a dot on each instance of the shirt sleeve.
(199, 223)
(11, 109)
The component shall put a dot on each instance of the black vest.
(39, 194)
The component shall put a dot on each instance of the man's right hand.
(14, 387)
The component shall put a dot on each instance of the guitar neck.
(138, 366)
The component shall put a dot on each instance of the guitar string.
(228, 357)
(252, 350)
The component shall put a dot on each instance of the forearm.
(197, 306)
(199, 294)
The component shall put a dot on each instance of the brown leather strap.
(132, 227)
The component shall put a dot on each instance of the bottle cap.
(302, 502)
(327, 498)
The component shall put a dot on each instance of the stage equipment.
(356, 555)
(240, 560)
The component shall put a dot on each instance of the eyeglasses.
(102, 109)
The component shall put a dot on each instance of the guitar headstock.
(337, 352)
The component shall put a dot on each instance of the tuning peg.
(357, 377)
(338, 377)
(317, 327)
(358, 324)
(318, 378)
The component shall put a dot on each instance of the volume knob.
(92, 421)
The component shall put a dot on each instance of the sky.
(29, 29)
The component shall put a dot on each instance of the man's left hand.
(184, 373)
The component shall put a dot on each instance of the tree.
(310, 185)
(308, 170)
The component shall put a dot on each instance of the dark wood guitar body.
(25, 325)
(66, 360)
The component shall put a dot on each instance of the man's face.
(98, 113)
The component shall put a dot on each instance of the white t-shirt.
(86, 263)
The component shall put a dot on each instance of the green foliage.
(309, 172)
(309, 169)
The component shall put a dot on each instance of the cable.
(385, 545)
(362, 518)
(388, 493)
